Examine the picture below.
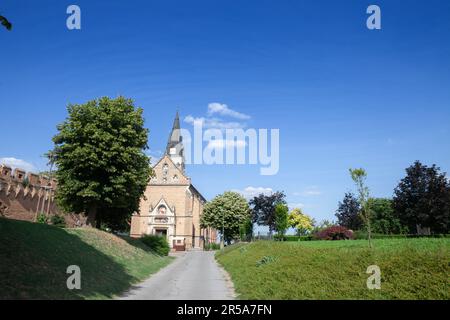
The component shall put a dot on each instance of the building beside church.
(171, 206)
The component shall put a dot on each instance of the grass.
(334, 270)
(34, 259)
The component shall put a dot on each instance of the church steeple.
(175, 147)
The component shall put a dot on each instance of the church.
(171, 206)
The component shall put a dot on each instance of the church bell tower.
(175, 148)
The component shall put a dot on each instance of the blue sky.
(342, 95)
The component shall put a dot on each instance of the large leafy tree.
(226, 213)
(301, 222)
(422, 199)
(348, 212)
(263, 208)
(102, 169)
(383, 218)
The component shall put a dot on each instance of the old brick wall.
(23, 196)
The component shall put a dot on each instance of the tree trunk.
(92, 214)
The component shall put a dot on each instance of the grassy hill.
(410, 269)
(34, 259)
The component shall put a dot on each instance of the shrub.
(212, 246)
(265, 260)
(334, 233)
(157, 244)
(58, 221)
(42, 218)
(294, 238)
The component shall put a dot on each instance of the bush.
(212, 246)
(58, 221)
(157, 244)
(334, 233)
(265, 260)
(294, 238)
(42, 218)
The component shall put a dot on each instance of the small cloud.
(251, 192)
(213, 123)
(309, 192)
(18, 163)
(213, 119)
(224, 110)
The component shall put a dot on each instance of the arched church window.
(164, 180)
(175, 178)
(165, 168)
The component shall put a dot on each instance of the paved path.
(194, 275)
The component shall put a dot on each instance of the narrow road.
(194, 275)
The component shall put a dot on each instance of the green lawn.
(410, 269)
(34, 259)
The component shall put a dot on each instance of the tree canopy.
(301, 222)
(348, 212)
(383, 218)
(5, 23)
(228, 211)
(281, 218)
(422, 199)
(102, 169)
(263, 208)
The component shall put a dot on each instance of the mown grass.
(410, 269)
(34, 259)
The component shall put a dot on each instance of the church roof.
(174, 137)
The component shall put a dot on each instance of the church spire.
(175, 147)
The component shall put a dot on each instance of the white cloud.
(213, 119)
(251, 192)
(309, 192)
(223, 110)
(214, 123)
(18, 163)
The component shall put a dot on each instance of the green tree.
(226, 213)
(5, 23)
(263, 208)
(102, 169)
(348, 212)
(422, 199)
(281, 219)
(383, 218)
(359, 176)
(301, 222)
(246, 230)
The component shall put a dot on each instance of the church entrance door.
(161, 232)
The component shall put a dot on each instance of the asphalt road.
(194, 275)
